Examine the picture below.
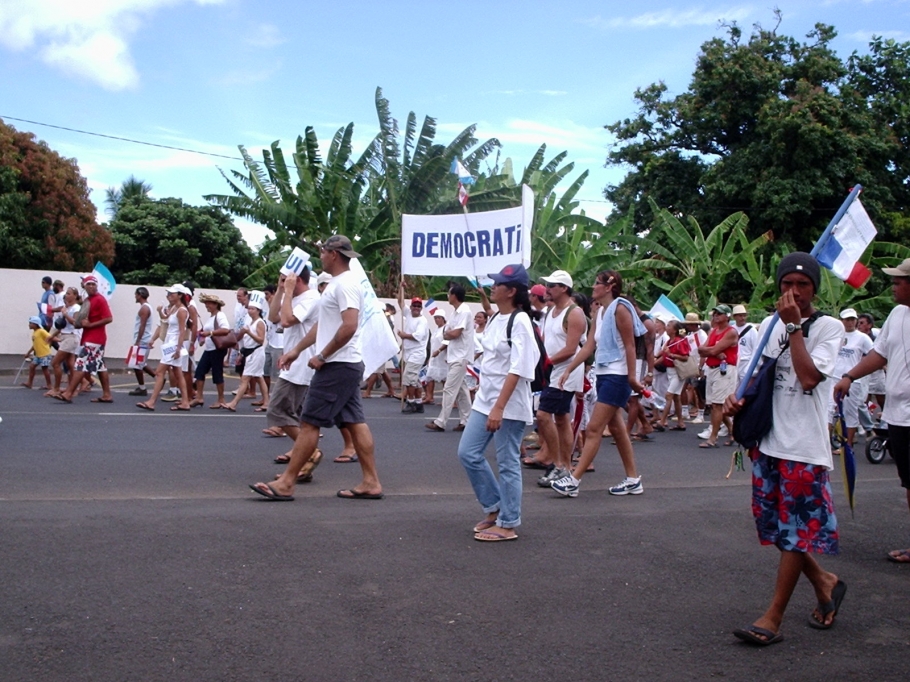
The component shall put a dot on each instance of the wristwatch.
(320, 357)
(793, 328)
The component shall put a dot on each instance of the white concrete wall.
(21, 290)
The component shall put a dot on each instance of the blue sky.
(211, 74)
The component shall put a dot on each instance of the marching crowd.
(577, 367)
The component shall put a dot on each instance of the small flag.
(464, 178)
(106, 283)
(430, 306)
(666, 310)
(464, 175)
(846, 244)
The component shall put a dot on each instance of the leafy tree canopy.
(774, 127)
(46, 217)
(166, 241)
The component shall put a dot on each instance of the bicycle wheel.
(875, 450)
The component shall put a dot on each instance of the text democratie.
(479, 244)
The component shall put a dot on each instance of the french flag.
(430, 306)
(846, 245)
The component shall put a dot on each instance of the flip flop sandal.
(677, 428)
(346, 459)
(751, 635)
(833, 606)
(902, 556)
(707, 446)
(282, 459)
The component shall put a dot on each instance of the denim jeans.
(503, 495)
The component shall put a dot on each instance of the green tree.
(777, 128)
(166, 241)
(132, 189)
(46, 217)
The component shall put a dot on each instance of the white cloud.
(865, 37)
(88, 39)
(674, 18)
(266, 36)
(510, 93)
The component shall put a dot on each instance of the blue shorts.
(792, 505)
(613, 389)
(555, 401)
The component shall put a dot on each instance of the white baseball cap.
(559, 277)
(847, 313)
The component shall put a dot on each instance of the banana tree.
(693, 267)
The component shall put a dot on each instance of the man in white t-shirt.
(294, 308)
(563, 327)
(748, 339)
(333, 398)
(856, 346)
(791, 492)
(459, 332)
(892, 348)
(414, 345)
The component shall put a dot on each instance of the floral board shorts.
(90, 359)
(792, 505)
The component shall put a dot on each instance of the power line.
(121, 139)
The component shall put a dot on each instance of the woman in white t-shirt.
(68, 338)
(252, 348)
(212, 359)
(502, 408)
(437, 367)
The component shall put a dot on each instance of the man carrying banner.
(892, 348)
(459, 332)
(333, 398)
(791, 491)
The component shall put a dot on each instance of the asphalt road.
(132, 549)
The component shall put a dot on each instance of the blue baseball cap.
(511, 275)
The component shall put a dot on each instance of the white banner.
(469, 244)
(377, 340)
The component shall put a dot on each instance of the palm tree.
(132, 189)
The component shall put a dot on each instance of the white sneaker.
(630, 486)
(706, 434)
(698, 420)
(722, 433)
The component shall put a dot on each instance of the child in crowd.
(40, 352)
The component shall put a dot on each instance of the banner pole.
(819, 245)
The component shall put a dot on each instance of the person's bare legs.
(348, 450)
(264, 391)
(624, 445)
(105, 380)
(160, 374)
(717, 414)
(899, 552)
(600, 416)
(363, 442)
(792, 564)
(200, 387)
(548, 436)
(241, 390)
(304, 447)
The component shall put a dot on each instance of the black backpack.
(544, 367)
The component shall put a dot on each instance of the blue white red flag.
(431, 307)
(464, 178)
(846, 245)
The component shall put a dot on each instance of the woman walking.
(212, 359)
(174, 353)
(677, 348)
(613, 336)
(251, 347)
(68, 338)
(502, 408)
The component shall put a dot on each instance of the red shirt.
(731, 354)
(678, 346)
(98, 310)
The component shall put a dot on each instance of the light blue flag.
(667, 310)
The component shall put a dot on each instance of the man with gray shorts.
(333, 398)
(293, 307)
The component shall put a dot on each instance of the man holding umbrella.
(791, 493)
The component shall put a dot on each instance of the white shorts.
(676, 384)
(255, 363)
